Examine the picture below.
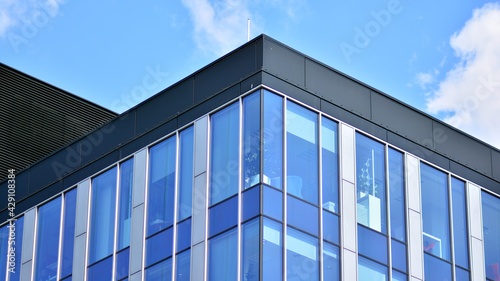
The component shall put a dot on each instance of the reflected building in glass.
(264, 165)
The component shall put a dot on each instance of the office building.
(264, 165)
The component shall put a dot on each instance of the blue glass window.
(186, 172)
(462, 274)
(183, 272)
(224, 157)
(398, 255)
(330, 170)
(47, 240)
(161, 185)
(302, 152)
(19, 227)
(372, 244)
(330, 227)
(122, 264)
(251, 140)
(102, 218)
(251, 203)
(302, 256)
(435, 212)
(223, 216)
(184, 235)
(302, 215)
(370, 270)
(273, 138)
(68, 234)
(273, 203)
(223, 257)
(436, 269)
(491, 227)
(160, 272)
(460, 232)
(250, 251)
(159, 246)
(331, 262)
(397, 195)
(272, 251)
(370, 183)
(101, 270)
(4, 246)
(125, 204)
(398, 276)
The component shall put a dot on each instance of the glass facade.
(269, 203)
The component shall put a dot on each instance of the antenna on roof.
(248, 29)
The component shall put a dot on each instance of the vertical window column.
(348, 204)
(476, 238)
(491, 229)
(28, 243)
(415, 254)
(81, 220)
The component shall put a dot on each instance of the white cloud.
(469, 95)
(219, 26)
(424, 79)
(18, 12)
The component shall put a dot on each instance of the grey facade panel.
(225, 72)
(285, 63)
(463, 149)
(475, 177)
(495, 163)
(291, 90)
(165, 105)
(338, 89)
(398, 118)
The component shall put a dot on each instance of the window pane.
(4, 246)
(302, 152)
(273, 203)
(302, 256)
(102, 219)
(100, 271)
(122, 264)
(435, 214)
(186, 172)
(161, 186)
(159, 246)
(331, 262)
(250, 251)
(372, 244)
(330, 227)
(303, 215)
(160, 272)
(397, 195)
(370, 270)
(272, 250)
(223, 257)
(460, 223)
(462, 274)
(125, 209)
(251, 203)
(273, 138)
(19, 227)
(398, 255)
(184, 235)
(47, 241)
(224, 156)
(491, 229)
(68, 233)
(436, 269)
(183, 266)
(398, 276)
(251, 140)
(330, 170)
(223, 216)
(370, 183)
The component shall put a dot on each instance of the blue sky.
(442, 57)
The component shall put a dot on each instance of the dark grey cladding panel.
(474, 177)
(462, 148)
(287, 64)
(353, 120)
(291, 90)
(226, 72)
(165, 105)
(402, 120)
(337, 89)
(418, 150)
(496, 164)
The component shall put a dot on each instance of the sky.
(441, 57)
